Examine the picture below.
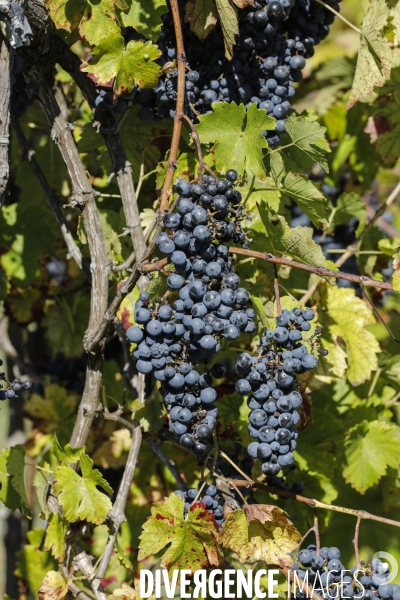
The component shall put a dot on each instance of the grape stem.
(277, 293)
(355, 541)
(279, 260)
(180, 103)
(360, 514)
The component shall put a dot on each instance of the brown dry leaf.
(54, 587)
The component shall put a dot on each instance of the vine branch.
(360, 514)
(180, 104)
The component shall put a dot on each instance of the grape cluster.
(331, 579)
(173, 339)
(275, 38)
(12, 388)
(213, 503)
(270, 381)
(106, 100)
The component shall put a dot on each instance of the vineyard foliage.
(313, 201)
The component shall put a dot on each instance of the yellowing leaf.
(78, 495)
(55, 536)
(260, 532)
(99, 21)
(202, 16)
(54, 587)
(375, 55)
(237, 135)
(126, 592)
(371, 448)
(66, 14)
(193, 542)
(347, 317)
(129, 65)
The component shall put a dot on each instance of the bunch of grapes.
(12, 387)
(270, 381)
(213, 503)
(106, 100)
(332, 580)
(275, 38)
(175, 339)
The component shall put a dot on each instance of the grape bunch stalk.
(269, 379)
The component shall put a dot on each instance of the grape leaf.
(375, 55)
(346, 317)
(193, 541)
(41, 482)
(66, 322)
(296, 241)
(33, 563)
(129, 65)
(55, 536)
(396, 271)
(348, 205)
(126, 592)
(68, 455)
(370, 447)
(13, 494)
(150, 414)
(259, 308)
(202, 16)
(228, 17)
(145, 17)
(99, 22)
(54, 587)
(261, 532)
(237, 137)
(8, 494)
(309, 144)
(301, 190)
(66, 14)
(78, 495)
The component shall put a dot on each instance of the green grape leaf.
(66, 455)
(41, 482)
(396, 271)
(78, 495)
(375, 55)
(33, 563)
(192, 541)
(346, 318)
(202, 16)
(309, 144)
(12, 467)
(129, 65)
(301, 190)
(99, 22)
(157, 286)
(66, 14)
(348, 205)
(145, 17)
(55, 536)
(260, 310)
(236, 135)
(66, 322)
(8, 494)
(261, 532)
(150, 414)
(370, 448)
(228, 17)
(145, 142)
(296, 242)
